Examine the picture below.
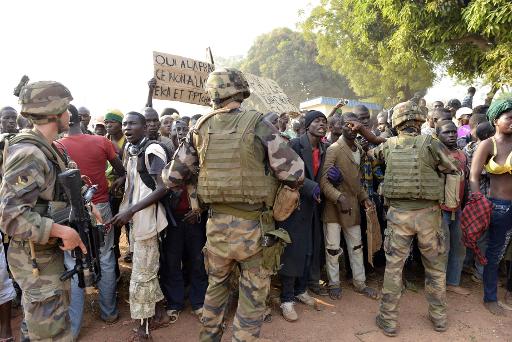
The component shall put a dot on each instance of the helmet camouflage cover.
(226, 82)
(44, 98)
(407, 111)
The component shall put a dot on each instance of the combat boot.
(289, 313)
(388, 331)
(439, 325)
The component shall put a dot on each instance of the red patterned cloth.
(474, 221)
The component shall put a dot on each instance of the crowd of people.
(235, 196)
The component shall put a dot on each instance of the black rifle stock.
(87, 267)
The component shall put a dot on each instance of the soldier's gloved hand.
(334, 175)
(70, 237)
(316, 194)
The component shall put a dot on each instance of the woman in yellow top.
(495, 155)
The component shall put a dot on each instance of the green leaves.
(288, 58)
(388, 49)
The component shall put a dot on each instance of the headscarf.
(497, 108)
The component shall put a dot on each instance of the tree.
(286, 57)
(470, 38)
(354, 39)
(229, 62)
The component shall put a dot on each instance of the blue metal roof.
(332, 101)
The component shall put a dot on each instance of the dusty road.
(349, 319)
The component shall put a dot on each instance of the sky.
(102, 50)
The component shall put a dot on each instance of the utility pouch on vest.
(267, 222)
(452, 191)
(272, 254)
(273, 242)
(287, 200)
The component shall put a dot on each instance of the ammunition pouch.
(273, 242)
(452, 190)
(273, 251)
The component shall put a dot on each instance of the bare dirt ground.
(350, 319)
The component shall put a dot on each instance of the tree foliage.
(354, 39)
(286, 57)
(229, 62)
(470, 38)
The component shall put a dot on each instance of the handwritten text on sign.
(270, 94)
(181, 79)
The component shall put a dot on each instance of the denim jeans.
(500, 231)
(294, 286)
(455, 248)
(107, 284)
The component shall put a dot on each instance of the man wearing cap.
(99, 126)
(29, 185)
(303, 258)
(113, 124)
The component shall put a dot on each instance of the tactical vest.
(409, 173)
(43, 207)
(232, 167)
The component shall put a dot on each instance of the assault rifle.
(87, 266)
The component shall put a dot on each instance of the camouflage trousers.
(45, 298)
(403, 225)
(234, 242)
(145, 290)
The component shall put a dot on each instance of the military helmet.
(226, 82)
(44, 98)
(406, 111)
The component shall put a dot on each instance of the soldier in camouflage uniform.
(236, 158)
(414, 187)
(28, 192)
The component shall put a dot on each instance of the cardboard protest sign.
(267, 96)
(181, 79)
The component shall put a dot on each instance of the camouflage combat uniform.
(234, 228)
(233, 240)
(28, 184)
(414, 187)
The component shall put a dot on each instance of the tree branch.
(481, 42)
